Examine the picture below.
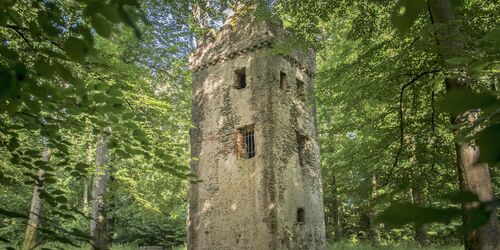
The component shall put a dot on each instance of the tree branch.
(401, 122)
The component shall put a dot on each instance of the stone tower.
(254, 145)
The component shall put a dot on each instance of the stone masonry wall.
(253, 203)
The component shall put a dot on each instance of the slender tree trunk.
(99, 223)
(336, 213)
(85, 193)
(473, 176)
(30, 240)
(86, 181)
(373, 233)
(373, 227)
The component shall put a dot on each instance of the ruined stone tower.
(254, 143)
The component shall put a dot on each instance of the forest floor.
(332, 246)
(367, 246)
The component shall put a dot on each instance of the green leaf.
(57, 192)
(9, 53)
(100, 98)
(64, 72)
(40, 163)
(82, 166)
(76, 49)
(61, 199)
(110, 11)
(476, 218)
(127, 2)
(488, 140)
(460, 100)
(492, 37)
(7, 86)
(3, 18)
(33, 105)
(101, 25)
(14, 16)
(11, 214)
(13, 144)
(405, 14)
(50, 180)
(45, 23)
(128, 116)
(128, 19)
(462, 197)
(404, 213)
(44, 68)
(7, 3)
(479, 66)
(21, 72)
(458, 60)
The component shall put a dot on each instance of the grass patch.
(367, 246)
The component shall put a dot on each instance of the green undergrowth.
(331, 246)
(368, 246)
(86, 247)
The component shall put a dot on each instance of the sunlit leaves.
(406, 12)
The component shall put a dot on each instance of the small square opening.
(301, 92)
(282, 80)
(301, 216)
(241, 78)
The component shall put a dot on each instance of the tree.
(99, 218)
(473, 175)
(30, 240)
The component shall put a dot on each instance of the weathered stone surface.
(253, 203)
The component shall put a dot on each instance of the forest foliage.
(73, 71)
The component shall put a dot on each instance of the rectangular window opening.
(301, 143)
(249, 136)
(301, 95)
(245, 147)
(282, 80)
(241, 79)
(301, 216)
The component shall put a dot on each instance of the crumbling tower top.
(242, 33)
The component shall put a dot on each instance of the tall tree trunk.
(30, 240)
(336, 213)
(98, 224)
(473, 176)
(420, 230)
(416, 190)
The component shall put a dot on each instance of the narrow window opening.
(301, 216)
(301, 95)
(301, 143)
(241, 78)
(249, 144)
(246, 142)
(282, 80)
